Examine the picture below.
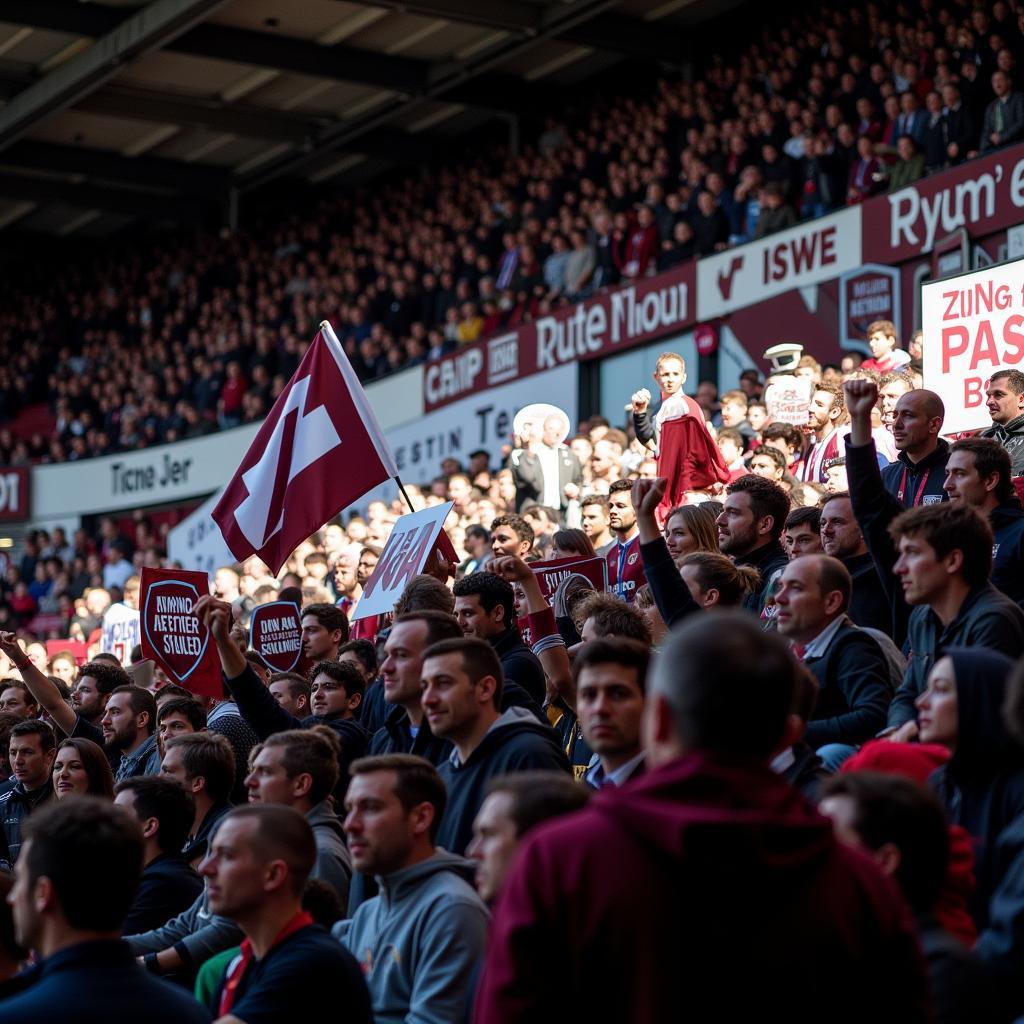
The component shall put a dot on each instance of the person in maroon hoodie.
(708, 889)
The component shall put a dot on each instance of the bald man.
(919, 472)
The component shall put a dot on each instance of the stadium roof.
(116, 111)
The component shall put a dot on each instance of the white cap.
(784, 357)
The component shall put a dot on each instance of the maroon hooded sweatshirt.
(709, 889)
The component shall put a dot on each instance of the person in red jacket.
(708, 889)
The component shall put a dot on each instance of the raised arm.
(549, 648)
(46, 693)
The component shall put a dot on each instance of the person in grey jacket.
(420, 939)
(1005, 401)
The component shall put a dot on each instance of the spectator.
(31, 753)
(164, 811)
(75, 928)
(853, 678)
(718, 705)
(1005, 400)
(204, 765)
(80, 768)
(910, 166)
(902, 826)
(865, 172)
(427, 915)
(1004, 116)
(802, 532)
(515, 805)
(776, 214)
(461, 698)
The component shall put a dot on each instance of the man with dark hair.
(164, 811)
(750, 524)
(945, 557)
(710, 828)
(16, 699)
(336, 689)
(902, 827)
(324, 630)
(291, 691)
(428, 917)
(363, 655)
(299, 768)
(595, 522)
(178, 717)
(802, 532)
(511, 535)
(1005, 401)
(86, 973)
(406, 729)
(841, 538)
(32, 748)
(978, 475)
(853, 677)
(461, 698)
(288, 967)
(610, 678)
(96, 681)
(129, 724)
(485, 608)
(204, 764)
(515, 805)
(786, 438)
(625, 567)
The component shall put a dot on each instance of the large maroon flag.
(318, 451)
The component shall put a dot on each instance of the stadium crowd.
(826, 108)
(807, 681)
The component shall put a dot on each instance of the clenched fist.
(641, 399)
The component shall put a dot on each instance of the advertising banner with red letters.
(607, 323)
(973, 325)
(173, 635)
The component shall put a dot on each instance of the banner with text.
(172, 634)
(410, 544)
(817, 251)
(606, 323)
(982, 196)
(973, 325)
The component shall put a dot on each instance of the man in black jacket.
(461, 697)
(945, 558)
(961, 130)
(1005, 400)
(841, 538)
(978, 475)
(749, 526)
(164, 811)
(853, 678)
(485, 608)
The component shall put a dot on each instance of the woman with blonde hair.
(690, 528)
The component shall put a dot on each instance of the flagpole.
(401, 487)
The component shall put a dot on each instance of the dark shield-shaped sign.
(275, 634)
(172, 635)
(867, 294)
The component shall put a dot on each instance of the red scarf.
(241, 963)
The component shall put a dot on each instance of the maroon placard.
(172, 635)
(275, 634)
(552, 572)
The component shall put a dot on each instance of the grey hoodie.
(419, 941)
(333, 861)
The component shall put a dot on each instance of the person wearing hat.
(545, 469)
